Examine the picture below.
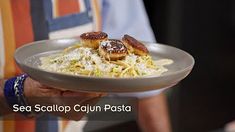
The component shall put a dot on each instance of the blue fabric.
(9, 92)
(126, 17)
(14, 92)
(69, 21)
(47, 123)
(39, 23)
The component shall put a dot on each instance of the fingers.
(42, 89)
(230, 127)
(37, 93)
(81, 94)
(73, 115)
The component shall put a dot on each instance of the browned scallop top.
(94, 35)
(113, 46)
(134, 43)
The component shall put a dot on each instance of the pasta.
(78, 60)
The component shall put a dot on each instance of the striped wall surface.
(2, 59)
(24, 21)
(2, 53)
(96, 11)
(8, 37)
(1, 127)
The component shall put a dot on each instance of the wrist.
(29, 94)
(4, 106)
(1, 95)
(27, 86)
(14, 92)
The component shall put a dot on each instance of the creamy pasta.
(79, 60)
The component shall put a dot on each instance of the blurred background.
(204, 101)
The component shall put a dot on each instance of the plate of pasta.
(95, 63)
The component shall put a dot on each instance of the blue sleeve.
(126, 17)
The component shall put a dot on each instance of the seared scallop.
(112, 49)
(93, 39)
(134, 46)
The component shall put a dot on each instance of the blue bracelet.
(14, 91)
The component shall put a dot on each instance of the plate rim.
(190, 67)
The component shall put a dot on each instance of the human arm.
(36, 93)
(153, 114)
(230, 127)
(5, 109)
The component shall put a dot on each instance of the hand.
(230, 127)
(153, 114)
(37, 93)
